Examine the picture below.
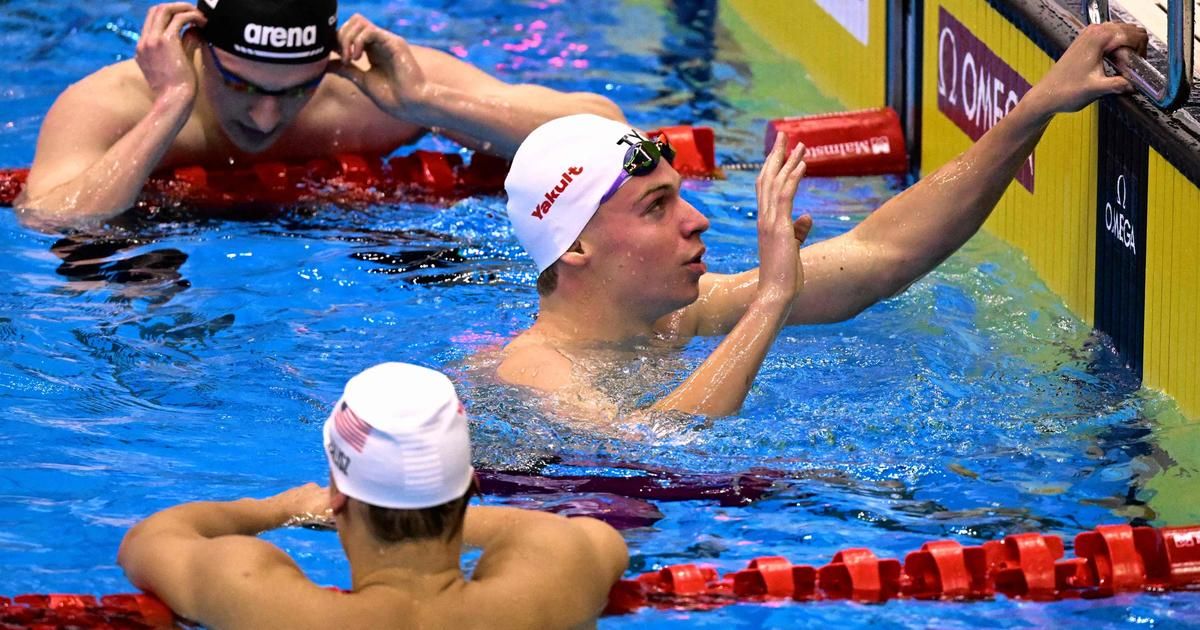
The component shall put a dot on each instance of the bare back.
(537, 571)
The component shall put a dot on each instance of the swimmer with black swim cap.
(242, 81)
(272, 31)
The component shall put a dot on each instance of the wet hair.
(547, 281)
(443, 521)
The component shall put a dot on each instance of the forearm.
(921, 227)
(210, 519)
(500, 120)
(112, 184)
(719, 386)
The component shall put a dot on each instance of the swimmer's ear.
(575, 259)
(337, 500)
(576, 255)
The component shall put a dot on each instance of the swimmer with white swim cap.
(235, 82)
(620, 255)
(399, 457)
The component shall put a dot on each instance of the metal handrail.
(1167, 92)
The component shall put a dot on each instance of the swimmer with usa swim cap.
(399, 454)
(597, 206)
(235, 82)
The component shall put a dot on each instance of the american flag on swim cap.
(352, 429)
(398, 438)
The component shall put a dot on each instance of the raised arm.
(202, 560)
(95, 154)
(915, 231)
(719, 386)
(432, 89)
(569, 564)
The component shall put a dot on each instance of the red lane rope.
(863, 142)
(1110, 559)
(345, 179)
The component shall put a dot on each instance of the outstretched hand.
(780, 274)
(395, 81)
(1078, 78)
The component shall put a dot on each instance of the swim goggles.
(238, 84)
(640, 159)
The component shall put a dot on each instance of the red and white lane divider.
(1110, 559)
(867, 142)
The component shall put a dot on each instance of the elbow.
(607, 543)
(127, 550)
(31, 214)
(600, 106)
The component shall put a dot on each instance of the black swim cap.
(273, 31)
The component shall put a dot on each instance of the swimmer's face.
(646, 242)
(254, 102)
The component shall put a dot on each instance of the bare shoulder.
(246, 582)
(91, 115)
(550, 572)
(531, 361)
(117, 93)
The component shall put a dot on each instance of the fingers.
(191, 41)
(775, 158)
(355, 35)
(181, 19)
(801, 228)
(780, 174)
(1128, 36)
(778, 183)
(1114, 35)
(794, 170)
(1116, 85)
(160, 16)
(164, 22)
(788, 182)
(346, 69)
(347, 36)
(770, 167)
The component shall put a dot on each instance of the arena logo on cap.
(543, 208)
(279, 36)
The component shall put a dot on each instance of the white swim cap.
(558, 178)
(398, 438)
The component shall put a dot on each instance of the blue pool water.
(151, 365)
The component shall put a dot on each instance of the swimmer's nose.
(266, 114)
(695, 222)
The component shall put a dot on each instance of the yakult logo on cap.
(543, 208)
(581, 153)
